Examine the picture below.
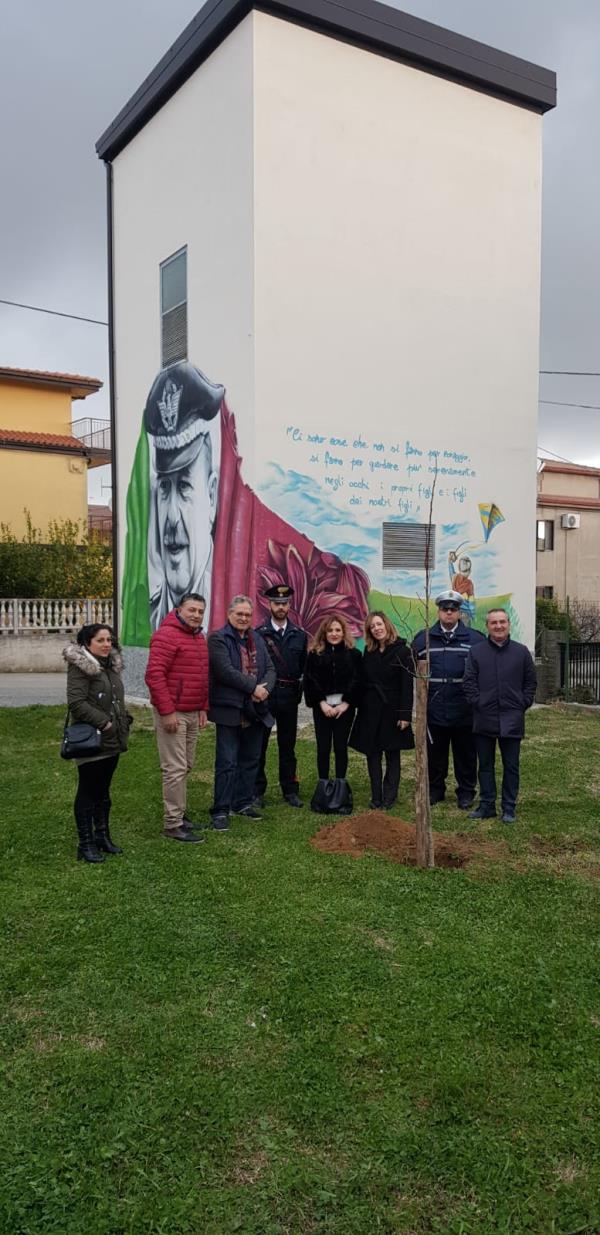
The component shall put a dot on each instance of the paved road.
(21, 690)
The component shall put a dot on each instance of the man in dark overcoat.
(449, 714)
(499, 683)
(241, 680)
(287, 645)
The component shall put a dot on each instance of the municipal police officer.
(286, 644)
(449, 714)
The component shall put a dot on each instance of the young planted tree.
(424, 834)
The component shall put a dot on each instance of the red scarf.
(248, 655)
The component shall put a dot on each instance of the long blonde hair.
(319, 642)
(391, 634)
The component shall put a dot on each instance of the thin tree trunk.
(424, 835)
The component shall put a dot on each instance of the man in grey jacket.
(500, 683)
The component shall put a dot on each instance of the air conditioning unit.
(570, 520)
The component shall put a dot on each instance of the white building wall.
(187, 179)
(397, 243)
(363, 267)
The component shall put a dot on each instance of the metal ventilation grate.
(174, 335)
(404, 546)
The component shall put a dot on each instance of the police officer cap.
(449, 600)
(279, 591)
(181, 403)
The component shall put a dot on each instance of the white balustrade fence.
(17, 616)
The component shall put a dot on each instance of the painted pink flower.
(322, 584)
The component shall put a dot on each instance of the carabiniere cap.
(179, 408)
(279, 591)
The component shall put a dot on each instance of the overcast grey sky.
(67, 67)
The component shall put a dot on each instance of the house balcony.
(95, 436)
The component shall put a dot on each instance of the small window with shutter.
(406, 546)
(173, 308)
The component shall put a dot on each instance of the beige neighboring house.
(568, 532)
(44, 454)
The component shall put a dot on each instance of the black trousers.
(334, 733)
(464, 757)
(384, 789)
(284, 707)
(94, 783)
(510, 750)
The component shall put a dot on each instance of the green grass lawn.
(251, 1036)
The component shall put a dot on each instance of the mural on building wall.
(194, 524)
(460, 565)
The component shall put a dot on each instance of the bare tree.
(421, 668)
(423, 830)
(585, 616)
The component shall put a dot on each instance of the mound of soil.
(395, 839)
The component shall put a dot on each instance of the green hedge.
(59, 562)
(548, 616)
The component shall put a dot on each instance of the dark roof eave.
(45, 449)
(568, 501)
(365, 23)
(78, 386)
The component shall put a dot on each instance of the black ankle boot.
(86, 850)
(101, 828)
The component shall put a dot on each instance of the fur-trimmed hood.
(75, 654)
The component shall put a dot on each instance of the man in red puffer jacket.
(177, 678)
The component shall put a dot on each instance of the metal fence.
(94, 433)
(19, 616)
(581, 666)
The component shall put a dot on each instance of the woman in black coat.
(95, 696)
(383, 724)
(330, 689)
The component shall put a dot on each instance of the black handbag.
(332, 797)
(80, 741)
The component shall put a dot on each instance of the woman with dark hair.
(330, 689)
(95, 696)
(383, 723)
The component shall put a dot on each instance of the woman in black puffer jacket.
(330, 689)
(96, 697)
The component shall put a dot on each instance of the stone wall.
(32, 653)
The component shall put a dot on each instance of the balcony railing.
(19, 616)
(93, 433)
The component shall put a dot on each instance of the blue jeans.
(236, 764)
(486, 753)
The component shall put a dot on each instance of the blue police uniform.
(449, 713)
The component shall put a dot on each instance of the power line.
(561, 457)
(94, 321)
(35, 308)
(591, 407)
